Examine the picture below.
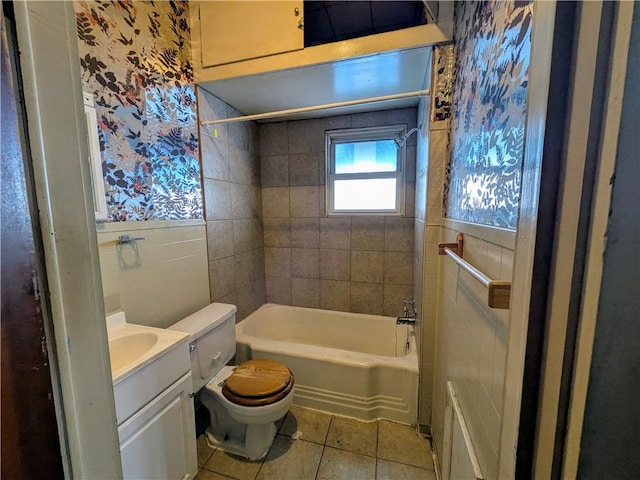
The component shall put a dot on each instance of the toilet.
(243, 401)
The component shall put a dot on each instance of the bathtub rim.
(407, 362)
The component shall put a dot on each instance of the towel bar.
(499, 290)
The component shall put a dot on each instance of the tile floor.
(329, 447)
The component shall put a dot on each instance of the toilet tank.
(212, 341)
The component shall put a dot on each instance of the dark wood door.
(30, 443)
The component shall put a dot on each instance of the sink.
(132, 347)
(127, 349)
(152, 396)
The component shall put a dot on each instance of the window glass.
(362, 157)
(365, 171)
(365, 194)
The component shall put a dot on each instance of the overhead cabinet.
(251, 55)
(237, 31)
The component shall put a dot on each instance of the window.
(365, 171)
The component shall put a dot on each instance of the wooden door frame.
(567, 89)
(543, 43)
(30, 391)
(584, 194)
(563, 210)
(597, 236)
(57, 134)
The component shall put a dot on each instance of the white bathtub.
(362, 366)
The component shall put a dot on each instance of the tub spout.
(405, 321)
(409, 313)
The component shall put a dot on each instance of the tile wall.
(351, 263)
(422, 152)
(160, 279)
(429, 218)
(233, 207)
(471, 339)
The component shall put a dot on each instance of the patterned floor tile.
(399, 443)
(340, 465)
(353, 435)
(204, 450)
(233, 466)
(312, 423)
(387, 470)
(291, 460)
(207, 475)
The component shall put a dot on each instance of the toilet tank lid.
(208, 318)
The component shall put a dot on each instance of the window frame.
(387, 132)
(95, 158)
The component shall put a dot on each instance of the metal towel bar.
(499, 290)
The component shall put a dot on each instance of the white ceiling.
(345, 80)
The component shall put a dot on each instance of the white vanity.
(152, 387)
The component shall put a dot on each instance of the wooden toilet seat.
(258, 382)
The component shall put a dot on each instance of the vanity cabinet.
(157, 441)
(235, 31)
(156, 421)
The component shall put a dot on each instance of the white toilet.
(244, 401)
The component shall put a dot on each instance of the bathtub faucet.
(409, 313)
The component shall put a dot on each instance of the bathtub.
(361, 366)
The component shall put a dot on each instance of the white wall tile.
(475, 252)
(149, 290)
(471, 347)
(493, 260)
(431, 269)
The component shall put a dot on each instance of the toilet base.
(248, 440)
(240, 430)
(253, 444)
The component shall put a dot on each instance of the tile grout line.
(326, 435)
(324, 446)
(319, 463)
(342, 449)
(284, 418)
(377, 441)
(262, 462)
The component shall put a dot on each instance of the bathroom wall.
(471, 339)
(349, 263)
(438, 151)
(489, 87)
(488, 127)
(419, 229)
(433, 154)
(134, 59)
(233, 207)
(159, 279)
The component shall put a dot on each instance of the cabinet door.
(159, 441)
(237, 30)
